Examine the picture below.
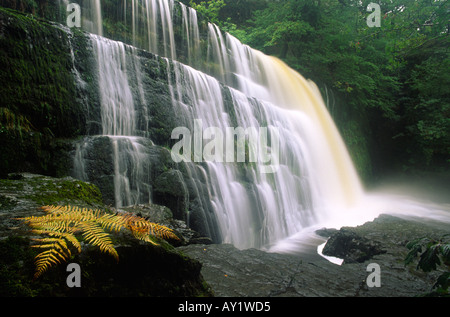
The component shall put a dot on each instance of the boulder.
(170, 190)
(351, 247)
(143, 269)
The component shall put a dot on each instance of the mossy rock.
(40, 96)
(23, 193)
(143, 270)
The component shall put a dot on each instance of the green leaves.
(210, 9)
(431, 254)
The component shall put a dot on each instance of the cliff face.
(51, 112)
(40, 101)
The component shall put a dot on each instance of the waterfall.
(118, 113)
(92, 17)
(223, 84)
(118, 122)
(264, 207)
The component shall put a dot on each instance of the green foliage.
(209, 9)
(432, 253)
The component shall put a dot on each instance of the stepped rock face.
(42, 126)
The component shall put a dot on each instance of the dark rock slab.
(248, 273)
(351, 247)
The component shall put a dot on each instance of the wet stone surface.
(233, 272)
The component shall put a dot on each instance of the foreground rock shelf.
(142, 270)
(233, 272)
(196, 267)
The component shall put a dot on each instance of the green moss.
(50, 193)
(41, 86)
(11, 184)
(16, 260)
(7, 202)
(39, 92)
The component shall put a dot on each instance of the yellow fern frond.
(59, 244)
(46, 259)
(143, 236)
(142, 226)
(162, 232)
(71, 213)
(94, 234)
(68, 236)
(62, 223)
(112, 222)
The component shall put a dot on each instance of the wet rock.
(170, 191)
(233, 272)
(142, 270)
(326, 232)
(351, 247)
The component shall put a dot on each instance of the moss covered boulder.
(143, 269)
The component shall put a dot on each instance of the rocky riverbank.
(194, 266)
(233, 272)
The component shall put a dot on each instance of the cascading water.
(92, 17)
(118, 122)
(315, 182)
(263, 207)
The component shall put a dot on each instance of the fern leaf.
(68, 236)
(71, 213)
(54, 243)
(94, 234)
(61, 223)
(138, 224)
(46, 259)
(162, 231)
(111, 222)
(143, 236)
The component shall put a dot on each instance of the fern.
(62, 225)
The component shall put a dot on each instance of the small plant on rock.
(432, 253)
(64, 227)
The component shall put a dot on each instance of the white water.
(118, 121)
(92, 20)
(316, 184)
